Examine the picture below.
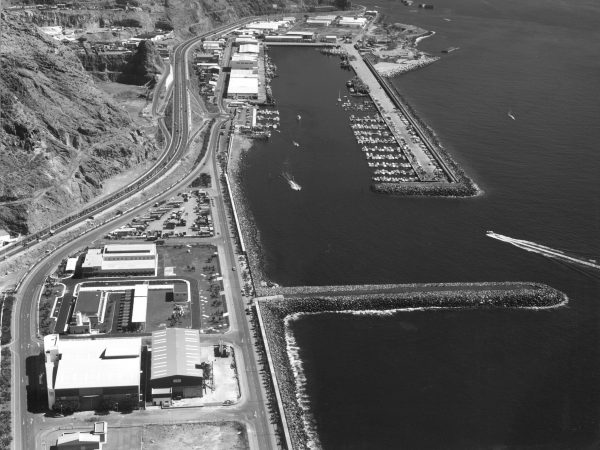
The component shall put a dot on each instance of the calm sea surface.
(455, 379)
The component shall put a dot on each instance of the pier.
(392, 110)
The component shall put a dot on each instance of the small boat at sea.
(450, 49)
(339, 97)
(296, 143)
(299, 117)
(291, 182)
(511, 115)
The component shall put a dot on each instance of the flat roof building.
(140, 304)
(323, 22)
(249, 48)
(243, 88)
(121, 259)
(353, 21)
(81, 374)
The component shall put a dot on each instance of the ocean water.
(456, 379)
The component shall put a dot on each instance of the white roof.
(131, 248)
(329, 17)
(300, 33)
(243, 86)
(140, 306)
(244, 57)
(243, 73)
(84, 364)
(266, 25)
(71, 264)
(140, 290)
(353, 21)
(246, 39)
(93, 258)
(131, 264)
(77, 437)
(248, 48)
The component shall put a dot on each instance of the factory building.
(85, 374)
(249, 48)
(121, 260)
(305, 35)
(358, 22)
(283, 38)
(175, 366)
(244, 61)
(244, 39)
(210, 46)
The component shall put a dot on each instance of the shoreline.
(425, 36)
(277, 313)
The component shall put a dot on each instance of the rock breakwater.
(276, 314)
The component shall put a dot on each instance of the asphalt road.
(30, 427)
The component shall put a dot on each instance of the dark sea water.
(449, 379)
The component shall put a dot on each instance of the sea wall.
(276, 313)
(459, 186)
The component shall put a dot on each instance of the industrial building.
(84, 374)
(175, 367)
(245, 40)
(353, 21)
(121, 260)
(305, 35)
(244, 61)
(243, 88)
(249, 48)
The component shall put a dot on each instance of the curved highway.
(29, 428)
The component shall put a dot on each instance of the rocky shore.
(277, 312)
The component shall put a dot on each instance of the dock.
(393, 113)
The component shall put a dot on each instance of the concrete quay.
(388, 110)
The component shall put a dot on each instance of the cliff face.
(104, 66)
(143, 66)
(60, 136)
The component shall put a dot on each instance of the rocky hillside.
(144, 65)
(60, 136)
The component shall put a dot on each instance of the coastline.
(277, 313)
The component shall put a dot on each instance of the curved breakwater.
(277, 314)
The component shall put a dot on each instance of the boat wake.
(544, 251)
(290, 180)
